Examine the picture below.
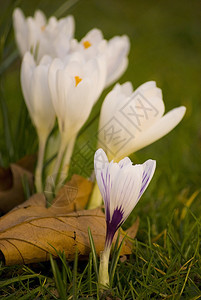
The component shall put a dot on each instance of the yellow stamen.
(86, 44)
(77, 80)
(42, 28)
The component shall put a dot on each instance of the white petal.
(20, 28)
(34, 33)
(148, 171)
(41, 99)
(127, 88)
(94, 36)
(56, 65)
(125, 190)
(118, 48)
(114, 76)
(40, 18)
(27, 68)
(124, 162)
(100, 164)
(45, 60)
(162, 127)
(105, 175)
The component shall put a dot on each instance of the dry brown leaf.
(28, 232)
(31, 240)
(73, 196)
(35, 207)
(14, 193)
(5, 179)
(28, 162)
(132, 231)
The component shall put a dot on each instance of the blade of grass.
(16, 279)
(75, 275)
(8, 61)
(6, 126)
(90, 273)
(58, 279)
(114, 251)
(93, 250)
(62, 257)
(116, 258)
(64, 8)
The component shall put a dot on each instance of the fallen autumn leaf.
(31, 231)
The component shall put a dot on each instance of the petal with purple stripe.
(148, 172)
(124, 162)
(126, 188)
(113, 225)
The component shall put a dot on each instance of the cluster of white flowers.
(63, 78)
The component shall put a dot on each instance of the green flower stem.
(96, 198)
(66, 163)
(39, 167)
(60, 156)
(51, 188)
(103, 278)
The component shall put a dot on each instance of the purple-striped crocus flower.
(121, 186)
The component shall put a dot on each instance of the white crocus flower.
(74, 86)
(131, 120)
(115, 51)
(121, 186)
(42, 36)
(35, 88)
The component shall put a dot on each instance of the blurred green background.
(165, 46)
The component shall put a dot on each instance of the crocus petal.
(20, 30)
(34, 81)
(121, 186)
(28, 64)
(162, 127)
(113, 100)
(42, 37)
(125, 161)
(94, 36)
(120, 69)
(125, 190)
(148, 171)
(118, 48)
(74, 100)
(40, 18)
(52, 79)
(105, 175)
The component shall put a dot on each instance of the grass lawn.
(166, 48)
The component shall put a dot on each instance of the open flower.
(42, 37)
(121, 186)
(115, 51)
(35, 88)
(131, 120)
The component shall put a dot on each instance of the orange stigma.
(77, 80)
(42, 28)
(86, 44)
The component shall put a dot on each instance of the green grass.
(165, 46)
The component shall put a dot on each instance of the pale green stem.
(96, 198)
(49, 191)
(66, 163)
(103, 277)
(60, 156)
(39, 168)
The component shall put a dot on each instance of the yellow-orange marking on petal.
(86, 44)
(77, 80)
(42, 28)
